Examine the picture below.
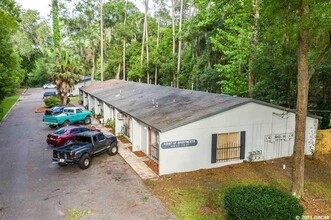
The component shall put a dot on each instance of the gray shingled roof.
(176, 107)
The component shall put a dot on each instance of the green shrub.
(52, 101)
(93, 112)
(260, 202)
(98, 116)
(110, 123)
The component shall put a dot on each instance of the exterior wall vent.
(120, 116)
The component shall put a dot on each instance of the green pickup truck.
(70, 115)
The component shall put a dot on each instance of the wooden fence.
(323, 142)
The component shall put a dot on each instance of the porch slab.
(137, 163)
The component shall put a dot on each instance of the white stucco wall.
(136, 135)
(97, 104)
(90, 102)
(106, 112)
(118, 123)
(139, 136)
(257, 120)
(85, 99)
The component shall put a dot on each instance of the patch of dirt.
(153, 165)
(123, 139)
(111, 130)
(192, 189)
(139, 154)
(205, 210)
(41, 109)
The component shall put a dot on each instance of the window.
(78, 110)
(228, 146)
(74, 131)
(83, 129)
(95, 139)
(61, 131)
(101, 137)
(83, 139)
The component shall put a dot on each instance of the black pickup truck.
(85, 146)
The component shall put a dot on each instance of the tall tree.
(146, 39)
(252, 54)
(306, 25)
(173, 24)
(66, 74)
(56, 26)
(10, 71)
(180, 41)
(101, 41)
(304, 75)
(124, 41)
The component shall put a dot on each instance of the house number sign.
(177, 144)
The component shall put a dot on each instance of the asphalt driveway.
(32, 187)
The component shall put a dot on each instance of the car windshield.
(83, 139)
(60, 131)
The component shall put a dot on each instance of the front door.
(155, 145)
(149, 141)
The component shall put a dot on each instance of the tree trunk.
(101, 41)
(124, 61)
(56, 26)
(143, 46)
(180, 41)
(173, 37)
(146, 35)
(93, 64)
(253, 49)
(157, 50)
(118, 72)
(301, 114)
(64, 99)
(124, 45)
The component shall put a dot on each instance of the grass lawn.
(6, 104)
(74, 99)
(199, 194)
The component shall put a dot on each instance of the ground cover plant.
(200, 194)
(6, 104)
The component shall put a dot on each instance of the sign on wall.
(177, 144)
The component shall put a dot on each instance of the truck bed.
(72, 147)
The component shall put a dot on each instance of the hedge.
(260, 202)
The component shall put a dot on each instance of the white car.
(49, 86)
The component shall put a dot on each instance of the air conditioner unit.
(120, 116)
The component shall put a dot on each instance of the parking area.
(32, 187)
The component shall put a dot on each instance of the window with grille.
(228, 146)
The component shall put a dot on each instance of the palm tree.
(66, 74)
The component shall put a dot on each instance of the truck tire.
(113, 149)
(66, 123)
(87, 120)
(84, 161)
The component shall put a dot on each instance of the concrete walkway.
(137, 163)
